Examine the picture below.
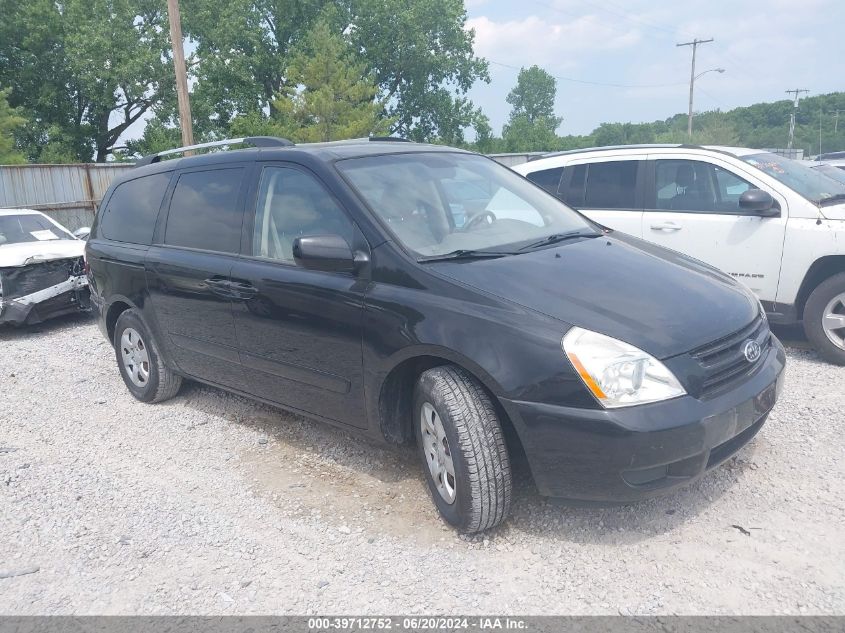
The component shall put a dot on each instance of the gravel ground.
(213, 504)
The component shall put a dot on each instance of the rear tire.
(463, 450)
(823, 312)
(140, 364)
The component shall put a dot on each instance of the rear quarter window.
(548, 179)
(132, 210)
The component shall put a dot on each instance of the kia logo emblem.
(752, 351)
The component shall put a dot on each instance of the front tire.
(824, 319)
(463, 450)
(143, 372)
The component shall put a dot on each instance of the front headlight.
(618, 374)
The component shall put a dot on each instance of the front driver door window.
(693, 207)
(293, 204)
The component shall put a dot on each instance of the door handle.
(666, 226)
(242, 289)
(219, 286)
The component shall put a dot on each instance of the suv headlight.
(618, 374)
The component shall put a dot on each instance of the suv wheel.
(140, 365)
(463, 450)
(824, 319)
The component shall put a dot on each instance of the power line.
(595, 83)
(635, 18)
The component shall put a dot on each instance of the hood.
(661, 301)
(24, 253)
(833, 212)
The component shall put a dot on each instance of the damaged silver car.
(42, 270)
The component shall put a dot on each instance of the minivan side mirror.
(82, 234)
(759, 202)
(329, 253)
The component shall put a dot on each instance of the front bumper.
(624, 455)
(65, 297)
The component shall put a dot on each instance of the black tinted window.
(611, 185)
(293, 204)
(548, 179)
(204, 211)
(573, 194)
(133, 209)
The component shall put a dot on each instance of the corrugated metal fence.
(70, 194)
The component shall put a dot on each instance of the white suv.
(769, 221)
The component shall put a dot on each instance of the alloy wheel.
(438, 454)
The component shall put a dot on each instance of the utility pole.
(694, 45)
(181, 73)
(796, 92)
(820, 131)
(835, 122)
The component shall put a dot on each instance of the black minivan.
(423, 293)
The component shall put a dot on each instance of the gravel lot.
(210, 503)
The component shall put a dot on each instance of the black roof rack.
(392, 139)
(255, 141)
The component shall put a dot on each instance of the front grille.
(723, 361)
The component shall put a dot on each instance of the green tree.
(10, 122)
(83, 71)
(334, 97)
(331, 95)
(533, 97)
(157, 137)
(418, 51)
(423, 59)
(524, 135)
(532, 122)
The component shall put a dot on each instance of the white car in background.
(774, 223)
(42, 270)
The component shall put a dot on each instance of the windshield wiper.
(839, 197)
(463, 253)
(558, 237)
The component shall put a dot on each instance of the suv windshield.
(15, 229)
(440, 203)
(814, 185)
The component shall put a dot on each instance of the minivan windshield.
(442, 203)
(813, 184)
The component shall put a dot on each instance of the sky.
(765, 47)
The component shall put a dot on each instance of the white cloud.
(548, 43)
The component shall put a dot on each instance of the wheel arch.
(822, 269)
(115, 309)
(396, 394)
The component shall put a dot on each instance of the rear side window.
(133, 209)
(548, 179)
(204, 211)
(573, 192)
(611, 185)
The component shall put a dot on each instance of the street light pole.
(181, 73)
(694, 45)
